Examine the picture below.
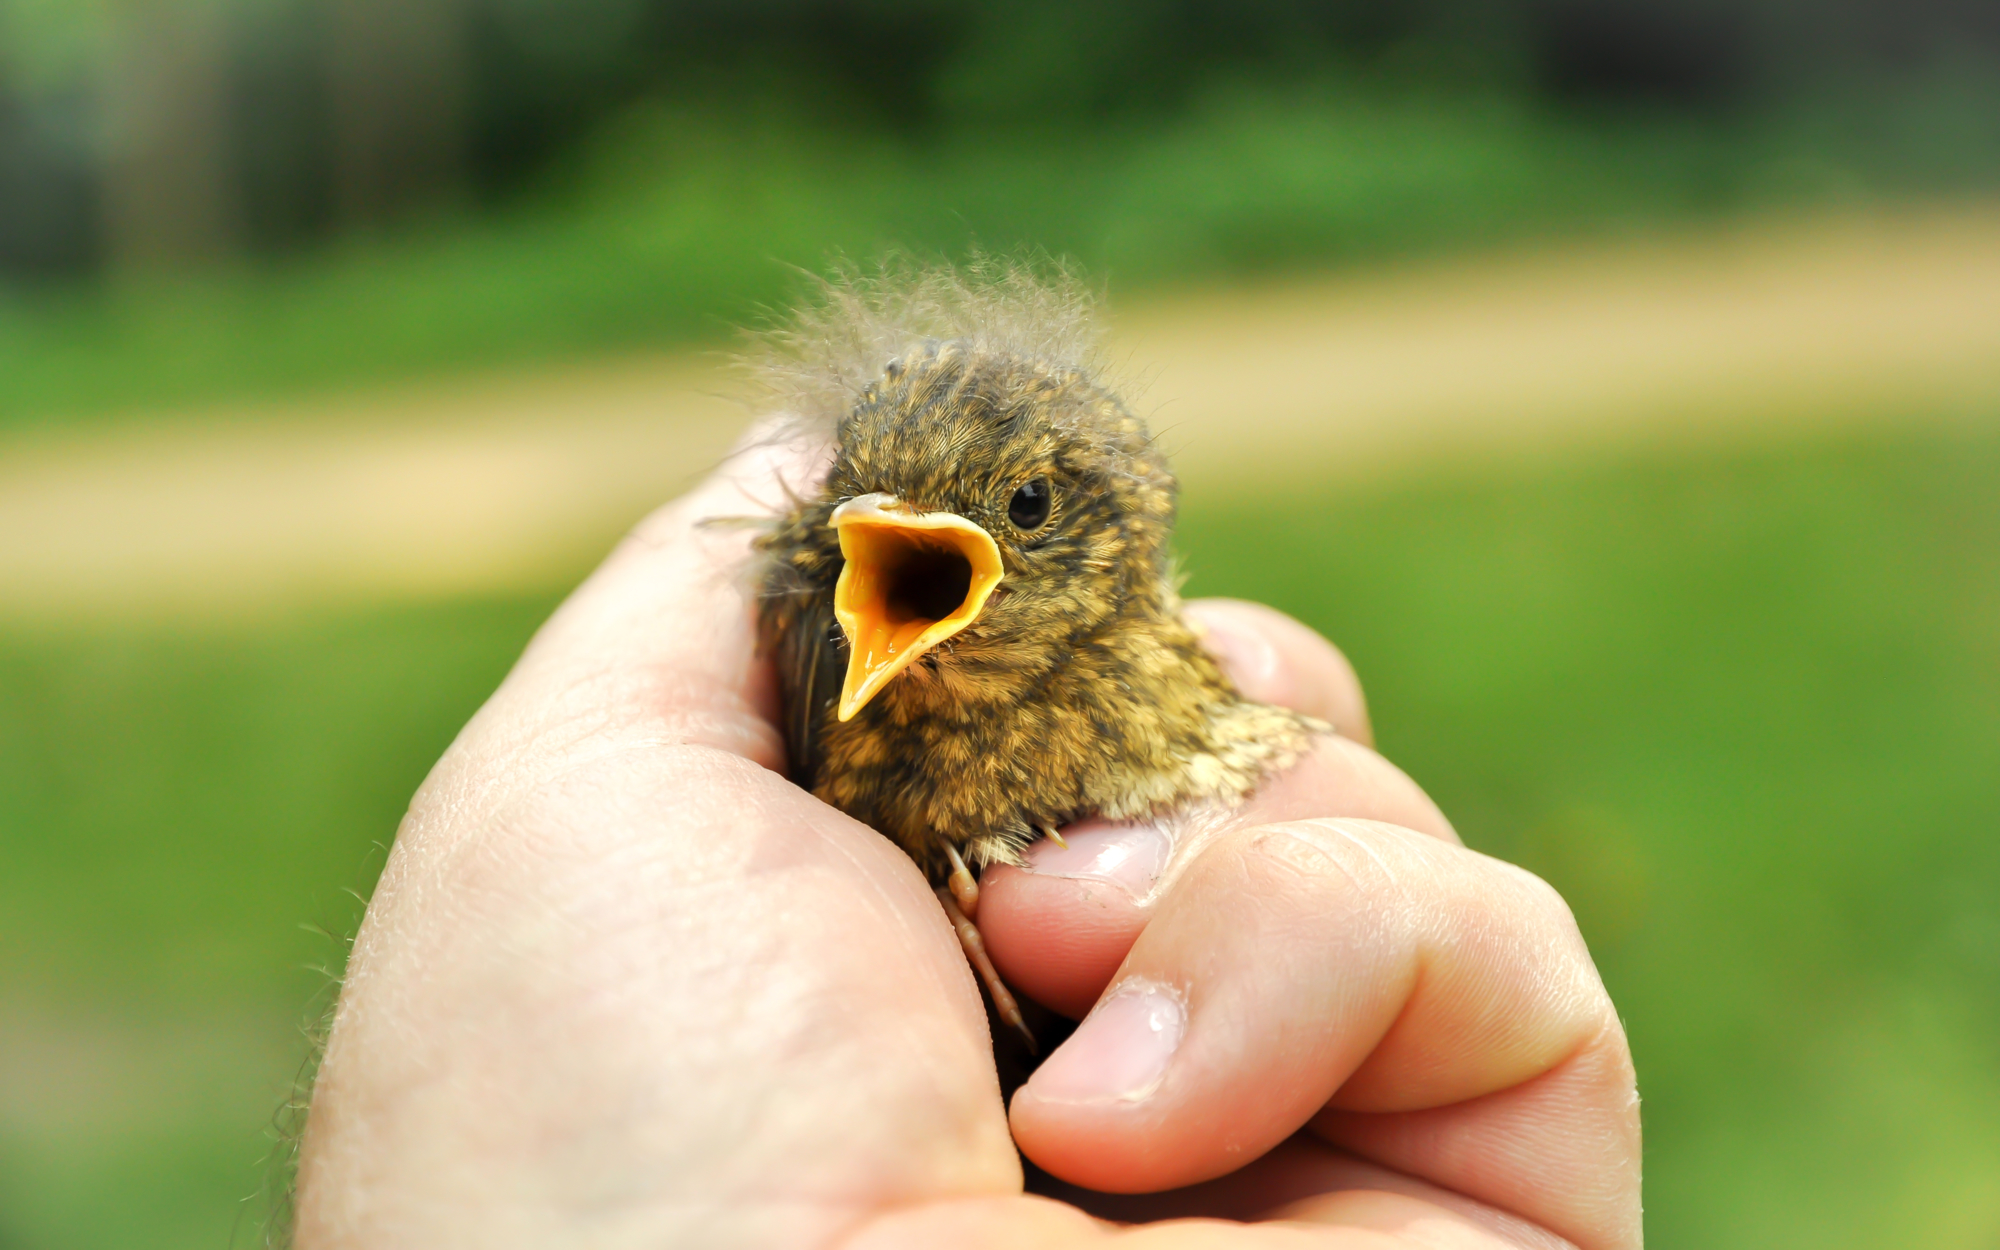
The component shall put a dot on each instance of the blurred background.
(1617, 380)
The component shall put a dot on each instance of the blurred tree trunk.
(399, 78)
(170, 186)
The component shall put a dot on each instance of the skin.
(622, 984)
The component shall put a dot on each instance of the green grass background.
(1742, 707)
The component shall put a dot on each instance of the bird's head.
(993, 513)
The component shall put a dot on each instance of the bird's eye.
(1030, 506)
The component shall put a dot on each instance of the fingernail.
(1121, 1050)
(1131, 856)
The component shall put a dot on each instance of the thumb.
(662, 638)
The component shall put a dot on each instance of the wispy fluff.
(812, 365)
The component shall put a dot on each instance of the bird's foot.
(975, 953)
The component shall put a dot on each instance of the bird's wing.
(812, 659)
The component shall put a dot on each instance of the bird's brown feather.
(1079, 689)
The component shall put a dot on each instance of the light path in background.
(513, 483)
(443, 489)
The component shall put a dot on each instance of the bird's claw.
(964, 888)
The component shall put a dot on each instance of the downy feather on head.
(812, 366)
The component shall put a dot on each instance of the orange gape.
(887, 627)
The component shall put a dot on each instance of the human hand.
(622, 984)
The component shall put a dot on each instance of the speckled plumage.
(1079, 689)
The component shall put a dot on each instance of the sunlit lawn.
(1743, 708)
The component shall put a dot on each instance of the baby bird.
(974, 618)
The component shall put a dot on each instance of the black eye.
(1030, 505)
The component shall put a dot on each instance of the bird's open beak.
(912, 580)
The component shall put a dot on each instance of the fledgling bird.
(974, 618)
